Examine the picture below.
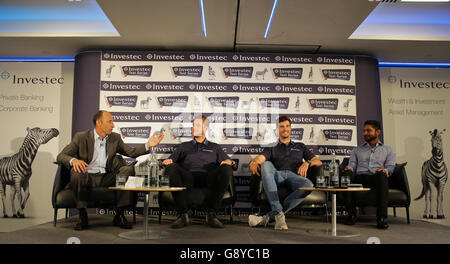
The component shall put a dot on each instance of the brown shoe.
(182, 221)
(122, 222)
(83, 220)
(211, 220)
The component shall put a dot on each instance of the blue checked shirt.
(366, 160)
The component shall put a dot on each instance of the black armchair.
(196, 198)
(63, 198)
(258, 197)
(398, 196)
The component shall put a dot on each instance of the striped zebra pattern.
(16, 170)
(434, 172)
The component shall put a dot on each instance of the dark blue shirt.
(288, 157)
(199, 157)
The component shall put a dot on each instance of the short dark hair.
(205, 120)
(284, 118)
(97, 116)
(374, 123)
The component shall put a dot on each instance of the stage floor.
(101, 231)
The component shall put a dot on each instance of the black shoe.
(382, 223)
(83, 221)
(182, 221)
(121, 221)
(351, 219)
(211, 220)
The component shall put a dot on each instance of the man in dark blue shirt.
(201, 163)
(286, 163)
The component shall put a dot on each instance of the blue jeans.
(272, 178)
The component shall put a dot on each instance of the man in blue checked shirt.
(371, 164)
(286, 163)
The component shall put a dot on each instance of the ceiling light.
(202, 10)
(269, 24)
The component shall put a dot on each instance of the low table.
(333, 231)
(146, 233)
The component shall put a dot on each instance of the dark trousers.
(216, 181)
(377, 182)
(81, 182)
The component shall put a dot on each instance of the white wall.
(52, 90)
(408, 131)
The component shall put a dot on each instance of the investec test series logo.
(337, 74)
(136, 132)
(243, 133)
(330, 104)
(178, 132)
(125, 101)
(338, 134)
(292, 73)
(142, 70)
(175, 101)
(189, 71)
(281, 103)
(239, 72)
(228, 102)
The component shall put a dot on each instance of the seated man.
(199, 163)
(287, 164)
(371, 164)
(90, 156)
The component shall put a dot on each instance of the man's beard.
(369, 138)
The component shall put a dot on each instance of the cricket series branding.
(125, 101)
(142, 71)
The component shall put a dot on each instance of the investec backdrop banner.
(415, 114)
(242, 95)
(33, 94)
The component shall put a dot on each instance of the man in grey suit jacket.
(90, 156)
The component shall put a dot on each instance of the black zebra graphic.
(434, 171)
(16, 170)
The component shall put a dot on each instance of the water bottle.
(152, 171)
(334, 172)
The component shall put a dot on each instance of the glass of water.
(121, 180)
(345, 180)
(320, 181)
(164, 180)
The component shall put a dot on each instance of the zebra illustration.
(211, 73)
(297, 104)
(261, 74)
(16, 170)
(347, 104)
(109, 70)
(310, 75)
(311, 134)
(145, 103)
(434, 171)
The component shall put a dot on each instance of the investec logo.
(251, 58)
(121, 86)
(423, 84)
(128, 117)
(163, 57)
(251, 88)
(324, 150)
(247, 149)
(293, 59)
(112, 56)
(31, 79)
(328, 60)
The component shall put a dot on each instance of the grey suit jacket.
(82, 147)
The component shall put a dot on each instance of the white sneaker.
(256, 220)
(280, 222)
